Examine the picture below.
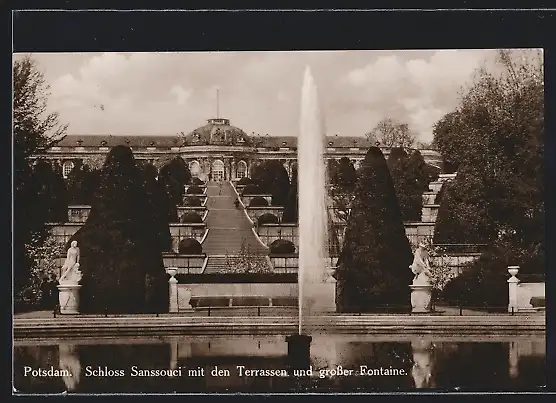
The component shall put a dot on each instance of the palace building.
(217, 149)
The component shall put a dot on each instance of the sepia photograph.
(334, 221)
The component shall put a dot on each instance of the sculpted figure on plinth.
(71, 273)
(421, 266)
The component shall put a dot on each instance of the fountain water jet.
(316, 290)
(315, 293)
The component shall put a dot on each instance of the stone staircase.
(229, 228)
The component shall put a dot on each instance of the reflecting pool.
(339, 363)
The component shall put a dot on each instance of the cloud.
(181, 94)
(418, 91)
(166, 93)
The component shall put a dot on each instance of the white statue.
(69, 361)
(422, 364)
(421, 266)
(71, 266)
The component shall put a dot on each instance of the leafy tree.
(161, 208)
(271, 177)
(449, 141)
(391, 133)
(332, 169)
(464, 216)
(121, 253)
(83, 183)
(291, 210)
(345, 176)
(502, 122)
(175, 175)
(374, 262)
(407, 184)
(59, 206)
(499, 134)
(343, 182)
(423, 172)
(44, 255)
(34, 129)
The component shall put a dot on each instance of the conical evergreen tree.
(374, 262)
(121, 256)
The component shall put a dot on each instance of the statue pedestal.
(421, 295)
(69, 298)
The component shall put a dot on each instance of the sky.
(169, 93)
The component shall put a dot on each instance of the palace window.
(241, 171)
(67, 168)
(195, 168)
(218, 171)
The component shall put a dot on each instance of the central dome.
(218, 132)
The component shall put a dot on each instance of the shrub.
(196, 181)
(194, 190)
(192, 201)
(245, 181)
(175, 175)
(190, 246)
(282, 247)
(484, 281)
(258, 202)
(267, 218)
(45, 267)
(191, 217)
(251, 189)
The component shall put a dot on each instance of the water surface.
(220, 364)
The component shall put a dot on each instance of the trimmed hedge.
(191, 217)
(194, 190)
(196, 181)
(251, 189)
(190, 246)
(282, 246)
(258, 202)
(267, 218)
(245, 181)
(192, 201)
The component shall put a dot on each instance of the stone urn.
(69, 298)
(513, 270)
(421, 298)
